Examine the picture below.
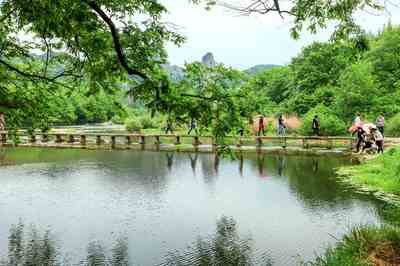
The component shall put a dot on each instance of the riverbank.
(371, 245)
(379, 176)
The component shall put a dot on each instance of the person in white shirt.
(378, 137)
(357, 120)
(380, 123)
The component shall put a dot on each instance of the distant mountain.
(208, 60)
(259, 68)
(176, 73)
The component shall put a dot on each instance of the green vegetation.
(88, 64)
(330, 124)
(393, 127)
(368, 245)
(381, 173)
(371, 245)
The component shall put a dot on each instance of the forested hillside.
(334, 80)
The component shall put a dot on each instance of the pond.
(283, 209)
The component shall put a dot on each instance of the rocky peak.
(208, 60)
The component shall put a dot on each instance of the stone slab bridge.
(274, 144)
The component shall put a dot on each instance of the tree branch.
(260, 7)
(33, 76)
(6, 16)
(117, 43)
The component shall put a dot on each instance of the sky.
(245, 41)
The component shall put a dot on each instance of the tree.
(330, 123)
(357, 92)
(275, 83)
(385, 58)
(99, 43)
(310, 14)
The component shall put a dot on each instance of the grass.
(367, 245)
(381, 173)
(371, 245)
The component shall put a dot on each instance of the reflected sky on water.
(163, 202)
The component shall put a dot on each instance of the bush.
(393, 126)
(330, 124)
(148, 122)
(133, 124)
(117, 119)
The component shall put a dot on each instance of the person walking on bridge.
(281, 126)
(261, 126)
(315, 126)
(192, 127)
(380, 123)
(169, 127)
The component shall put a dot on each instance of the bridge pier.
(98, 140)
(83, 140)
(113, 142)
(45, 138)
(71, 139)
(3, 138)
(59, 138)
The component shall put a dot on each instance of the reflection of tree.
(312, 179)
(223, 248)
(34, 249)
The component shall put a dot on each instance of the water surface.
(287, 207)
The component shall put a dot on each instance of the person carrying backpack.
(315, 126)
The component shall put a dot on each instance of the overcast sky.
(243, 41)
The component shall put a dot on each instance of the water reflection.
(225, 247)
(85, 195)
(170, 160)
(31, 248)
(241, 163)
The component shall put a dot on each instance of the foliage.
(133, 124)
(381, 173)
(81, 46)
(385, 58)
(357, 91)
(275, 83)
(361, 245)
(307, 15)
(393, 126)
(330, 123)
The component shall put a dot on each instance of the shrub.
(393, 126)
(330, 123)
(133, 124)
(117, 119)
(148, 122)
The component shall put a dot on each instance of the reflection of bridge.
(174, 142)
